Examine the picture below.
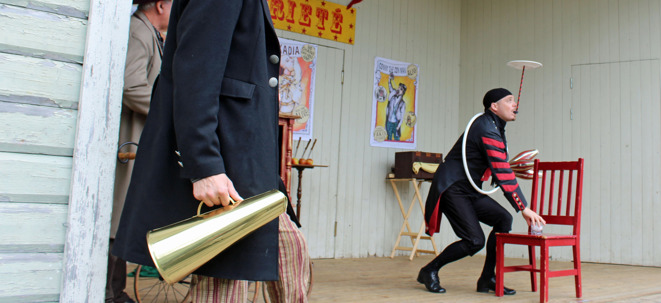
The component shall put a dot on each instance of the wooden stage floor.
(393, 280)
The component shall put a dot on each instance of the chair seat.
(530, 236)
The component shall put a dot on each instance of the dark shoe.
(484, 285)
(430, 280)
(124, 298)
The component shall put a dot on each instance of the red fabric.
(493, 142)
(510, 188)
(486, 175)
(496, 154)
(507, 176)
(435, 219)
(500, 164)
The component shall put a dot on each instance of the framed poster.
(394, 104)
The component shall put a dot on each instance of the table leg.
(401, 206)
(405, 230)
(299, 193)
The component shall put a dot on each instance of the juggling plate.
(519, 64)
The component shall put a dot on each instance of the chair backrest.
(557, 192)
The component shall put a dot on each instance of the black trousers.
(116, 279)
(465, 209)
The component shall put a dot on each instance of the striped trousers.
(293, 270)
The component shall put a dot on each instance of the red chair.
(554, 181)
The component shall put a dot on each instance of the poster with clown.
(298, 62)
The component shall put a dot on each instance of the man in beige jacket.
(143, 63)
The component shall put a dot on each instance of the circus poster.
(298, 63)
(394, 104)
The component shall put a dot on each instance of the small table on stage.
(406, 230)
(300, 169)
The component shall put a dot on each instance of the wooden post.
(91, 194)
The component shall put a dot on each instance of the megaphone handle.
(199, 207)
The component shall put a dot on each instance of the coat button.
(273, 82)
(180, 163)
(274, 59)
(177, 153)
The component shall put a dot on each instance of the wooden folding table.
(406, 230)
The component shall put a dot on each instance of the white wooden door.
(319, 185)
(615, 118)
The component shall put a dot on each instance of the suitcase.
(404, 164)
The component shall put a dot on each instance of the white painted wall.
(353, 191)
(611, 117)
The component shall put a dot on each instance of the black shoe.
(484, 285)
(430, 280)
(124, 298)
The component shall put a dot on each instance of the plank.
(73, 8)
(42, 233)
(34, 178)
(25, 31)
(617, 188)
(31, 80)
(625, 232)
(35, 277)
(34, 129)
(645, 151)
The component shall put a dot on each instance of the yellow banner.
(316, 18)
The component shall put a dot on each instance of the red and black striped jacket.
(486, 154)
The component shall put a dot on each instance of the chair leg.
(543, 274)
(577, 266)
(500, 263)
(533, 264)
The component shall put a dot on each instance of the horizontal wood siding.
(73, 8)
(44, 130)
(25, 29)
(33, 277)
(34, 178)
(39, 81)
(39, 224)
(41, 56)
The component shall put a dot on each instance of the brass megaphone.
(180, 248)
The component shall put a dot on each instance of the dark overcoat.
(214, 110)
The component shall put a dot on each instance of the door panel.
(616, 127)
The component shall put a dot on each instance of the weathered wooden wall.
(41, 53)
(48, 95)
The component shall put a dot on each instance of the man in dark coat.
(452, 194)
(212, 134)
